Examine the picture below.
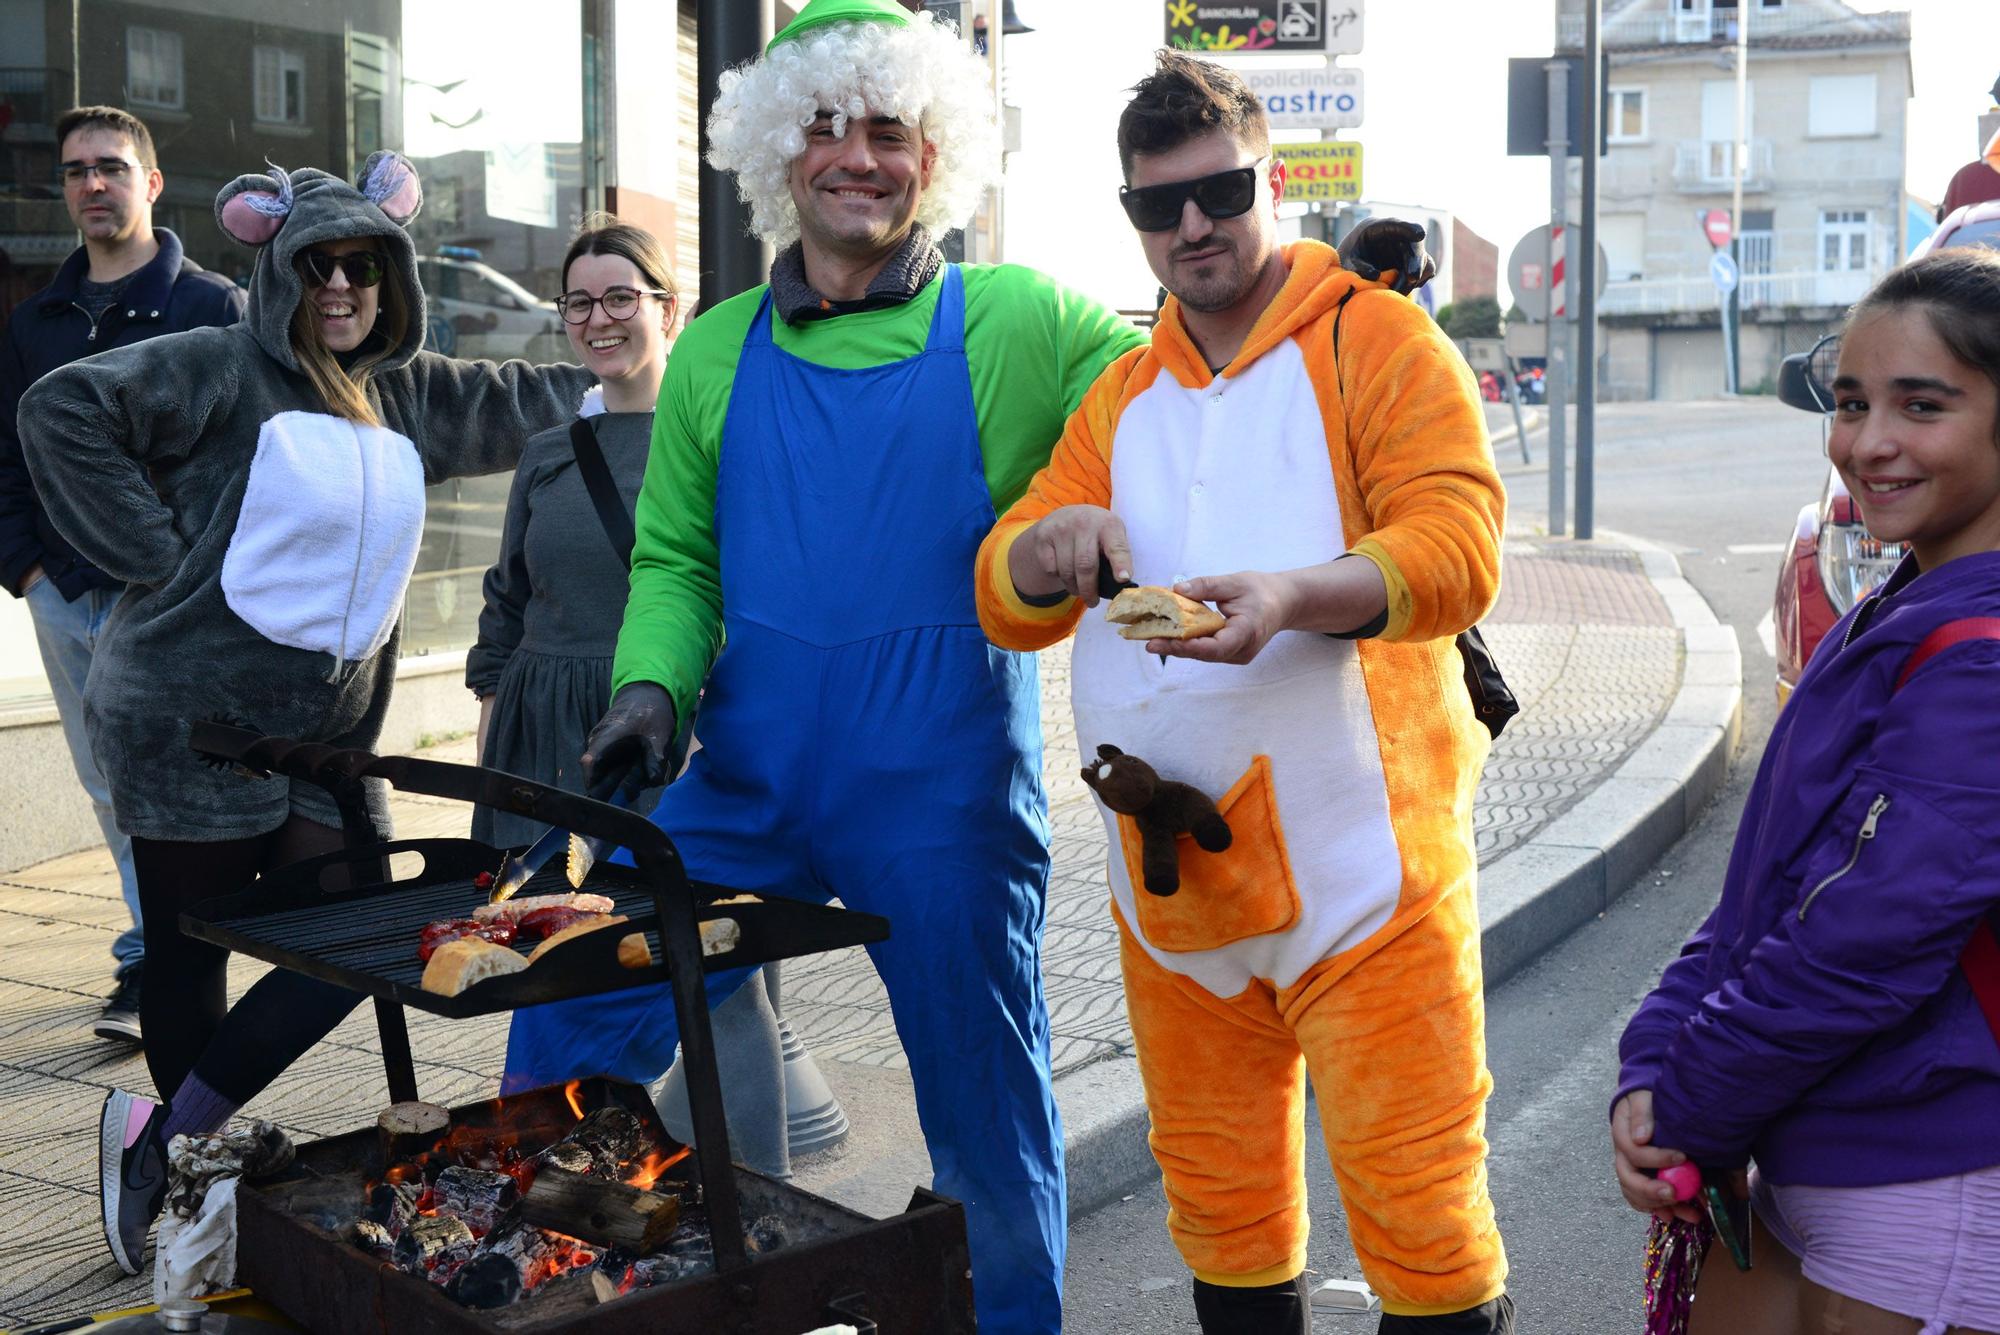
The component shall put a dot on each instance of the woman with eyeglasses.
(260, 489)
(554, 599)
(556, 596)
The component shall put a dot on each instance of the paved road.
(1700, 479)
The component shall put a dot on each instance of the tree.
(1475, 317)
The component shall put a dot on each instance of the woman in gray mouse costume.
(260, 489)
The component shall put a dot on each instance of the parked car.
(477, 311)
(1832, 560)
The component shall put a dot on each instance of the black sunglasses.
(1158, 208)
(364, 268)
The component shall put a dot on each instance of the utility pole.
(1555, 376)
(732, 259)
(1590, 122)
(1732, 310)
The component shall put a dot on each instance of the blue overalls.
(862, 739)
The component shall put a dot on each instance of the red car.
(1832, 560)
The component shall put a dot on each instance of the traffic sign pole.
(1586, 260)
(1555, 377)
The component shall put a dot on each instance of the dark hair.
(1958, 289)
(1185, 98)
(115, 119)
(603, 234)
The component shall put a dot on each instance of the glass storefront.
(495, 103)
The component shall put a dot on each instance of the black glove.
(633, 743)
(1377, 245)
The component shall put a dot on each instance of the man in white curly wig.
(828, 452)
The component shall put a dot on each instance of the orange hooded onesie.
(1338, 934)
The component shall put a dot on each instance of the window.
(153, 68)
(1755, 242)
(279, 86)
(1628, 115)
(1623, 236)
(1843, 240)
(1841, 105)
(1718, 127)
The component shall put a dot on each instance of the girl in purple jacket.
(1823, 1024)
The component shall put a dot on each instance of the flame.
(573, 1092)
(647, 1171)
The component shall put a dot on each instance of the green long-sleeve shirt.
(1032, 348)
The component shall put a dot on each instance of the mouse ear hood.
(389, 182)
(282, 213)
(254, 206)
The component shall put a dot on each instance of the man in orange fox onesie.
(1342, 478)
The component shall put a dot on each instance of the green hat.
(822, 12)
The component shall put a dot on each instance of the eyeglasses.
(364, 268)
(112, 171)
(618, 303)
(1158, 208)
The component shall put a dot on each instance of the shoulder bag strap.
(1981, 960)
(603, 491)
(1493, 701)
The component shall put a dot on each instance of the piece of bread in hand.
(633, 952)
(459, 964)
(1150, 612)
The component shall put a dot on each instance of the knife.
(1110, 586)
(515, 872)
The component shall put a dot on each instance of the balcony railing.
(1719, 25)
(1697, 292)
(1704, 166)
(34, 96)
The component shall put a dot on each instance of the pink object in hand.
(1684, 1178)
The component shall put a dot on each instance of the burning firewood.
(611, 1136)
(392, 1205)
(479, 1198)
(431, 1242)
(513, 1261)
(588, 1207)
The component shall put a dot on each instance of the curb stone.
(1567, 874)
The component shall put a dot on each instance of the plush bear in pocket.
(1162, 809)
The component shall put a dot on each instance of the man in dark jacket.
(128, 281)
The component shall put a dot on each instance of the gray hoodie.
(267, 543)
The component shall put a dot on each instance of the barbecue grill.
(353, 917)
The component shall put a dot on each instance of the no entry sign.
(1715, 225)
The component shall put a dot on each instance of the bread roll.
(1150, 612)
(570, 933)
(459, 964)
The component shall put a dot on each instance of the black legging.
(183, 1009)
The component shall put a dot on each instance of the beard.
(1215, 284)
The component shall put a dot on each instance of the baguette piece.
(459, 964)
(515, 909)
(1150, 612)
(633, 952)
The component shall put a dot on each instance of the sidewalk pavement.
(1630, 703)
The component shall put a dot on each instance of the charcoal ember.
(648, 1271)
(766, 1234)
(487, 1281)
(451, 1259)
(691, 1239)
(430, 1241)
(392, 1205)
(479, 1198)
(371, 1236)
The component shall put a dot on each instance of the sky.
(1436, 108)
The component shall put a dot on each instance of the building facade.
(1822, 172)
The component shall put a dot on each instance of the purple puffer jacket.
(1818, 1021)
